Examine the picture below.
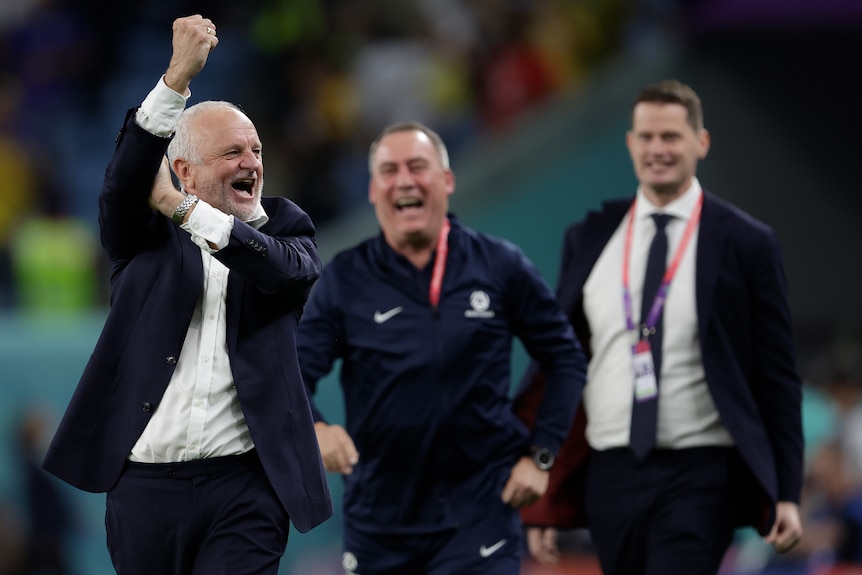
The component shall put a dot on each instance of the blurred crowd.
(36, 525)
(319, 78)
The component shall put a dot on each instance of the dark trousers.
(208, 517)
(487, 541)
(671, 513)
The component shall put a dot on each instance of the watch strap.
(184, 207)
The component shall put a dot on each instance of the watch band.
(184, 207)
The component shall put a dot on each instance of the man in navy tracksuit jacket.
(435, 462)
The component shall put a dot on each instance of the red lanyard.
(669, 273)
(439, 264)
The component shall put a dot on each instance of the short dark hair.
(439, 146)
(673, 92)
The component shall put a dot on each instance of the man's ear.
(181, 173)
(703, 141)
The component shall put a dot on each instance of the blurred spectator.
(532, 51)
(17, 186)
(332, 73)
(838, 373)
(574, 36)
(390, 74)
(54, 259)
(832, 515)
(835, 472)
(836, 490)
(513, 75)
(55, 256)
(12, 546)
(304, 91)
(453, 36)
(48, 513)
(316, 134)
(50, 51)
(326, 73)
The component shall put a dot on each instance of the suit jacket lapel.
(192, 271)
(584, 245)
(598, 228)
(597, 231)
(712, 236)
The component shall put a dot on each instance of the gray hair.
(439, 146)
(187, 141)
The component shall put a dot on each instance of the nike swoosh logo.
(488, 551)
(387, 315)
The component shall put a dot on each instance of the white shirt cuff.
(161, 109)
(208, 225)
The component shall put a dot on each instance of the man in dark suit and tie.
(691, 422)
(191, 413)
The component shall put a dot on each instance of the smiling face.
(228, 170)
(410, 190)
(665, 149)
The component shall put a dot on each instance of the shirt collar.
(258, 217)
(387, 255)
(681, 208)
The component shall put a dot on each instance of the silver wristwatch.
(184, 207)
(543, 458)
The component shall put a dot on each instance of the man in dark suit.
(191, 413)
(691, 422)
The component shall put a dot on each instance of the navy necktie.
(645, 413)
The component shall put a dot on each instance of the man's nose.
(404, 179)
(250, 161)
(656, 146)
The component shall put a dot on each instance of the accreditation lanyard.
(439, 264)
(670, 272)
(646, 378)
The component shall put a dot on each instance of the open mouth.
(406, 203)
(244, 186)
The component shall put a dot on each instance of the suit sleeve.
(126, 222)
(776, 382)
(281, 257)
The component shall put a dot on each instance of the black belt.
(193, 468)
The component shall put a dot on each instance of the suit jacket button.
(171, 360)
(147, 406)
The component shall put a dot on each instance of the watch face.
(544, 459)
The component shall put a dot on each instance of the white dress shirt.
(199, 415)
(687, 416)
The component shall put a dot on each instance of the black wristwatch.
(543, 458)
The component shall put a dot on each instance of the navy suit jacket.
(747, 348)
(156, 280)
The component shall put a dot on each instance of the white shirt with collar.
(199, 415)
(687, 416)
